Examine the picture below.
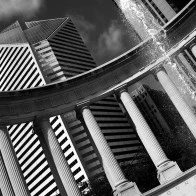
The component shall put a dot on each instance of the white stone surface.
(111, 167)
(12, 165)
(5, 184)
(62, 166)
(144, 132)
(180, 104)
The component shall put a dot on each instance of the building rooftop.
(12, 34)
(40, 30)
(36, 31)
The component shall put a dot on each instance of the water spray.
(136, 13)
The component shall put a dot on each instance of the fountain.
(138, 16)
(114, 77)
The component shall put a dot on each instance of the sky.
(99, 22)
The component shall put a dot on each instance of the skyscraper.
(51, 51)
(147, 17)
(161, 10)
(46, 51)
(119, 133)
(186, 66)
(149, 110)
(145, 14)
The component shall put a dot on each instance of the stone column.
(193, 50)
(178, 101)
(11, 162)
(113, 171)
(5, 184)
(159, 158)
(59, 159)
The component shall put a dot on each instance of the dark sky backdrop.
(99, 21)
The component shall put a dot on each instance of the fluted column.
(148, 139)
(146, 135)
(12, 165)
(111, 167)
(59, 159)
(5, 184)
(193, 49)
(178, 101)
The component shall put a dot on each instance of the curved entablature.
(23, 105)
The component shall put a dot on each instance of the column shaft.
(180, 104)
(62, 166)
(13, 169)
(5, 184)
(110, 164)
(193, 50)
(146, 135)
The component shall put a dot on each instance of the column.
(180, 104)
(5, 184)
(113, 171)
(193, 50)
(13, 169)
(59, 159)
(167, 169)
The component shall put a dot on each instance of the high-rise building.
(51, 51)
(149, 110)
(162, 10)
(47, 51)
(166, 108)
(186, 66)
(142, 14)
(118, 131)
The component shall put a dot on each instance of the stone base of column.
(168, 171)
(127, 189)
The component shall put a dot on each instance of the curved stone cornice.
(24, 105)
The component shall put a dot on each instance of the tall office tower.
(149, 110)
(166, 108)
(161, 10)
(62, 53)
(118, 130)
(120, 135)
(142, 14)
(47, 51)
(186, 65)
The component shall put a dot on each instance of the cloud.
(25, 8)
(110, 42)
(84, 27)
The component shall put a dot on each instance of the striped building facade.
(71, 58)
(144, 15)
(115, 126)
(161, 10)
(52, 51)
(118, 130)
(149, 110)
(20, 70)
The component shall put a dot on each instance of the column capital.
(40, 118)
(192, 45)
(80, 107)
(37, 123)
(157, 69)
(120, 89)
(3, 125)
